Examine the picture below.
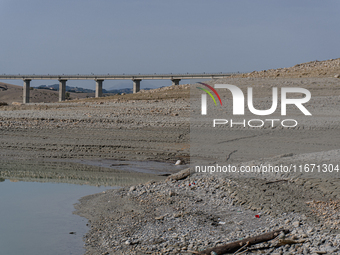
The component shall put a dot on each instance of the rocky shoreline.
(177, 217)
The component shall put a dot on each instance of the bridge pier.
(62, 89)
(136, 85)
(99, 87)
(175, 81)
(26, 90)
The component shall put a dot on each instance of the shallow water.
(36, 218)
(36, 203)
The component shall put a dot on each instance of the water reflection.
(36, 218)
(37, 200)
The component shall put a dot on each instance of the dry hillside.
(13, 93)
(326, 68)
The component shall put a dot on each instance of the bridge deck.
(136, 78)
(115, 77)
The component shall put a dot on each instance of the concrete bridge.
(175, 78)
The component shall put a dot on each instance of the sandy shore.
(171, 217)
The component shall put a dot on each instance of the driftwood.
(235, 246)
(180, 175)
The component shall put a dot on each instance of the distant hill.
(10, 93)
(55, 87)
(119, 91)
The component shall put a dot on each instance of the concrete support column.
(136, 85)
(99, 88)
(26, 90)
(175, 81)
(62, 90)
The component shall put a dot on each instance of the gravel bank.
(175, 218)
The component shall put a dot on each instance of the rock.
(330, 249)
(337, 76)
(287, 221)
(296, 224)
(172, 193)
(178, 162)
(132, 188)
(320, 252)
(160, 217)
(310, 230)
(177, 215)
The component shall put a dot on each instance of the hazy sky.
(155, 36)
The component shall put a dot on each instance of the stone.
(172, 193)
(160, 217)
(178, 162)
(296, 224)
(310, 230)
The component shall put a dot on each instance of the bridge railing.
(113, 76)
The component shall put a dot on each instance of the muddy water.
(37, 198)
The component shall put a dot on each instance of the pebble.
(296, 224)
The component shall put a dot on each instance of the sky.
(157, 36)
